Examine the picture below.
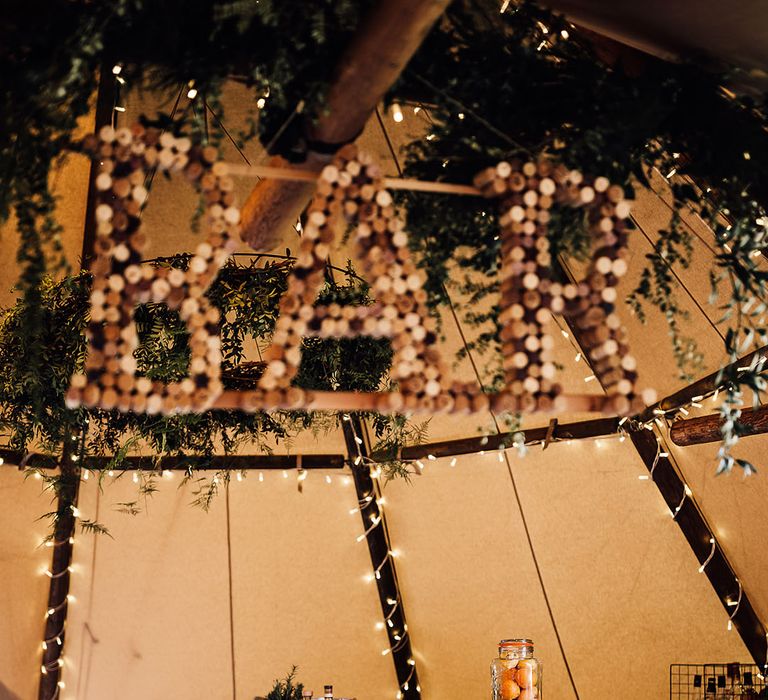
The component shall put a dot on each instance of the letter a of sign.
(351, 189)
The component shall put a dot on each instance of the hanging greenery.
(490, 85)
(524, 81)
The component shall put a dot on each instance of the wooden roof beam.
(703, 429)
(388, 37)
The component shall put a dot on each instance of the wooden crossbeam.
(380, 50)
(703, 429)
(182, 463)
(565, 431)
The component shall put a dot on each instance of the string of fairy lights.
(374, 500)
(375, 471)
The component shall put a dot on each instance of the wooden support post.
(105, 111)
(380, 50)
(703, 429)
(55, 632)
(63, 535)
(390, 595)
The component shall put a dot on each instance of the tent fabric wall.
(623, 584)
(622, 581)
(23, 583)
(152, 612)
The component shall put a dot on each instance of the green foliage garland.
(524, 82)
(491, 85)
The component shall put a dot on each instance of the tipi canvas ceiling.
(151, 613)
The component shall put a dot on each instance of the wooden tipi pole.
(379, 52)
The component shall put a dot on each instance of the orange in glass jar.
(526, 673)
(509, 689)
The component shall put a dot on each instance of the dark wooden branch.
(380, 50)
(702, 387)
(54, 634)
(379, 547)
(702, 429)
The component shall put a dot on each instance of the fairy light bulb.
(397, 113)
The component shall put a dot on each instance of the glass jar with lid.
(516, 674)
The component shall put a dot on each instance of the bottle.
(328, 692)
(516, 674)
(307, 694)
